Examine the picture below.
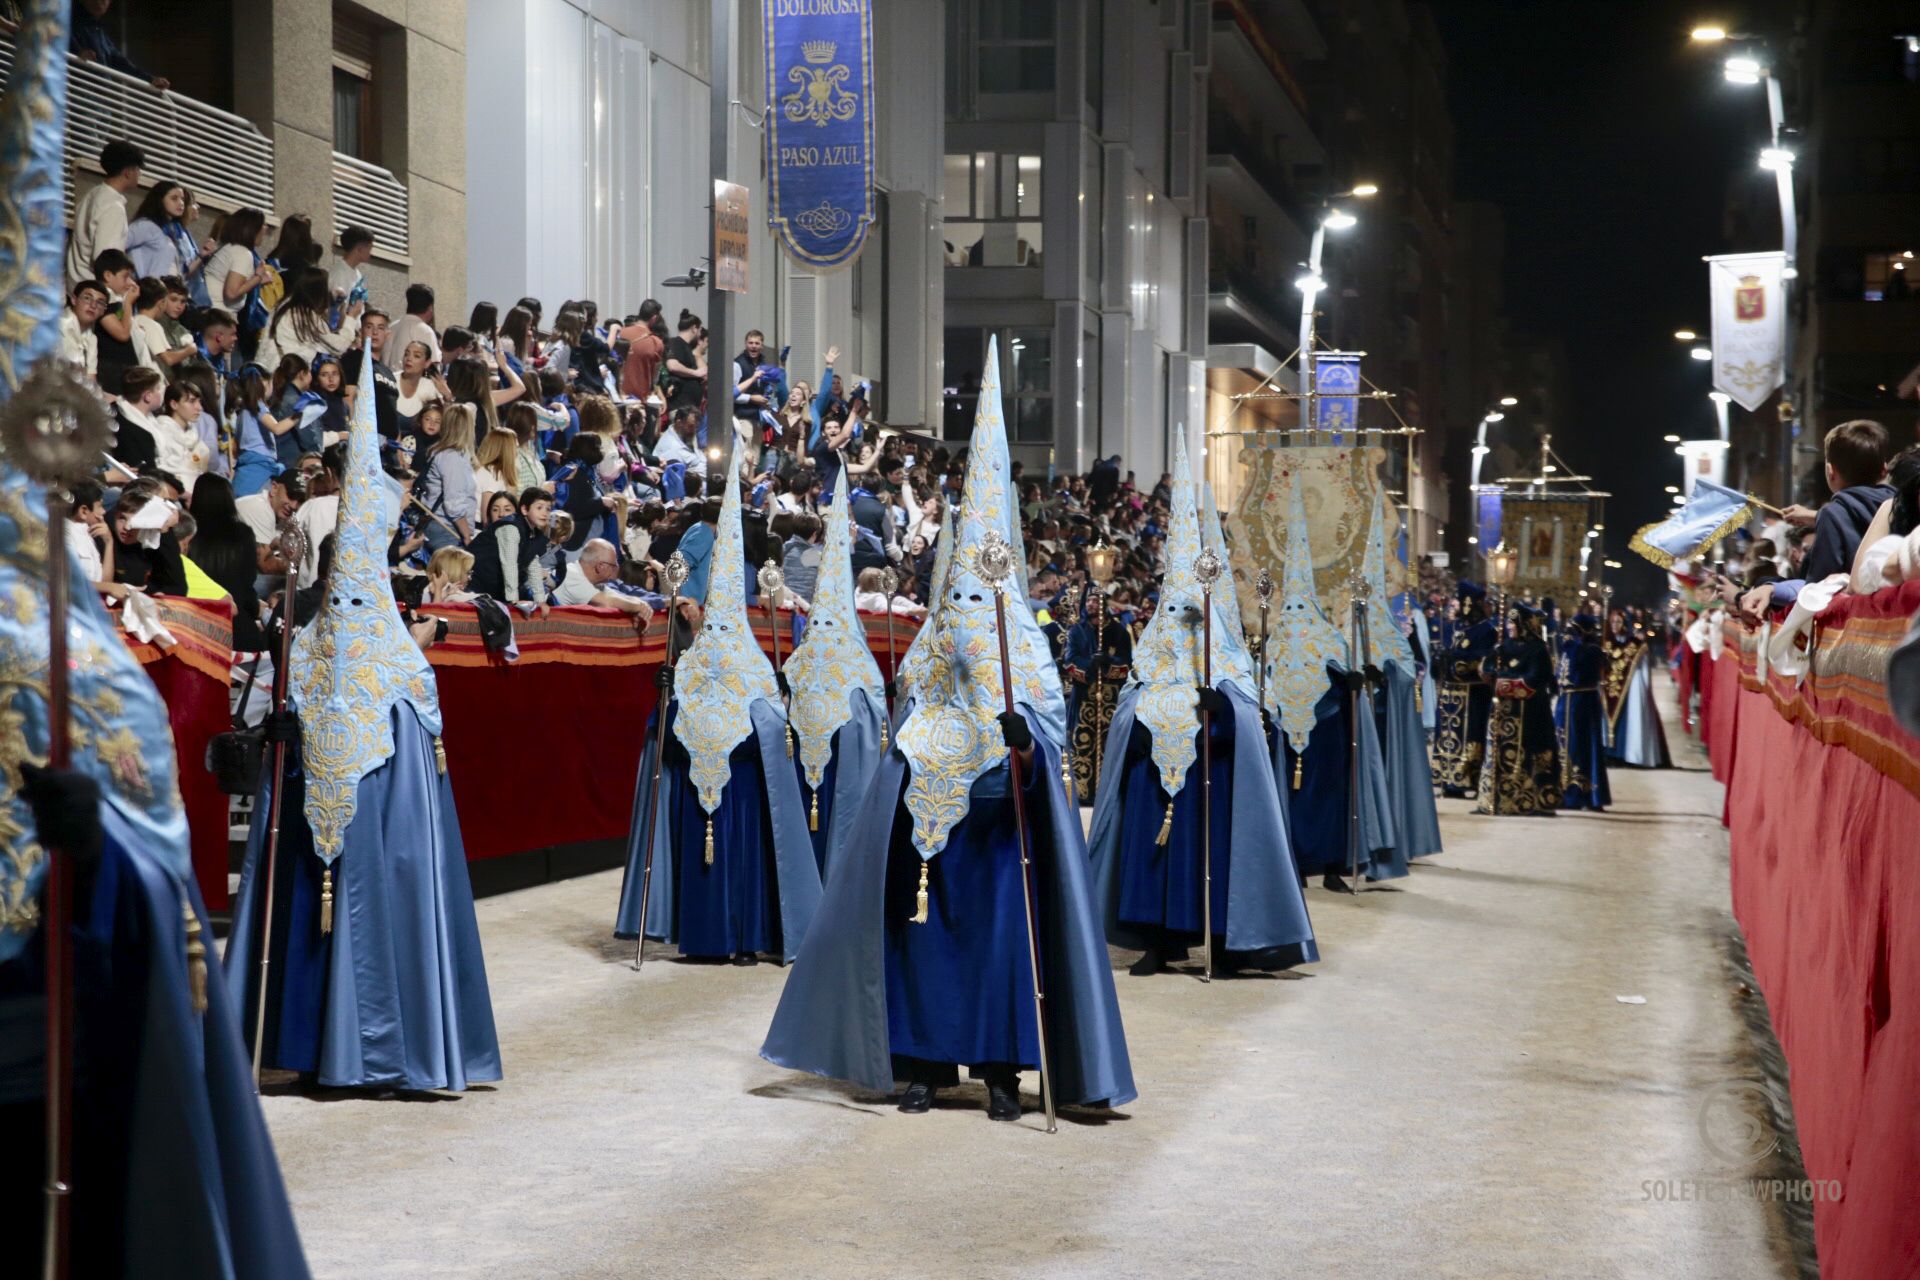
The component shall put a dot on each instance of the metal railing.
(219, 156)
(368, 196)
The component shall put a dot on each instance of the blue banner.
(1486, 524)
(1336, 377)
(820, 127)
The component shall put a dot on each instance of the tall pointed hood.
(1169, 658)
(951, 737)
(1303, 641)
(1388, 641)
(120, 732)
(724, 671)
(833, 658)
(1229, 626)
(356, 662)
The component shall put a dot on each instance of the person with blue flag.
(373, 970)
(918, 963)
(163, 1163)
(733, 873)
(1148, 837)
(1579, 716)
(838, 699)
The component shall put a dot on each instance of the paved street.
(1455, 1091)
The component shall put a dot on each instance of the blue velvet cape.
(396, 996)
(1580, 718)
(1317, 810)
(1263, 908)
(766, 824)
(832, 1019)
(1403, 741)
(856, 754)
(174, 1173)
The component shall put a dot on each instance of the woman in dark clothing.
(581, 488)
(157, 570)
(224, 549)
(328, 380)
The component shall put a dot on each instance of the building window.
(1026, 381)
(1888, 277)
(354, 125)
(1016, 47)
(992, 209)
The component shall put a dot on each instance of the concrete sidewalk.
(1454, 1091)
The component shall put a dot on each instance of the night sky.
(1608, 141)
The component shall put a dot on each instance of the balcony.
(1242, 55)
(365, 195)
(1244, 307)
(1258, 185)
(221, 158)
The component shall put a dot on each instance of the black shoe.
(1335, 882)
(1154, 961)
(746, 959)
(1003, 1099)
(918, 1099)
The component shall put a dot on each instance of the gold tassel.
(326, 901)
(708, 856)
(920, 898)
(196, 958)
(1298, 761)
(813, 814)
(440, 756)
(883, 735)
(1166, 826)
(789, 736)
(1066, 772)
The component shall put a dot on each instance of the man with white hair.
(585, 583)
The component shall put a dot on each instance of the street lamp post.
(1311, 284)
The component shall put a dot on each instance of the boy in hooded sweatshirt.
(1856, 472)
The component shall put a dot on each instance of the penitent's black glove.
(1353, 680)
(1375, 676)
(1014, 730)
(66, 810)
(281, 728)
(1214, 702)
(664, 679)
(780, 679)
(892, 690)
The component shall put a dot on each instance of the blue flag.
(820, 127)
(1711, 513)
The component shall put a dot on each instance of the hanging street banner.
(1548, 533)
(820, 127)
(1749, 325)
(731, 215)
(1486, 516)
(1336, 379)
(1704, 460)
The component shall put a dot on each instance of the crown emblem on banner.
(819, 52)
(1749, 282)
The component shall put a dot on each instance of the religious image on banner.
(1749, 325)
(1337, 487)
(1548, 535)
(820, 130)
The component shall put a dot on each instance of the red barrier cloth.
(1720, 709)
(544, 750)
(1824, 802)
(1685, 675)
(192, 677)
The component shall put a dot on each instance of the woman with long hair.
(160, 243)
(257, 432)
(329, 383)
(303, 324)
(523, 420)
(419, 383)
(225, 550)
(447, 487)
(515, 345)
(447, 575)
(484, 325)
(497, 468)
(296, 249)
(471, 382)
(294, 400)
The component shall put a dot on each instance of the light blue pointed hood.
(1302, 640)
(833, 658)
(1388, 641)
(951, 737)
(1169, 659)
(724, 671)
(356, 661)
(120, 733)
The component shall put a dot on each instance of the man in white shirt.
(345, 279)
(680, 443)
(415, 326)
(262, 512)
(100, 218)
(584, 583)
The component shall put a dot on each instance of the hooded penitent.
(833, 677)
(951, 736)
(356, 662)
(172, 1174)
(1303, 641)
(1169, 664)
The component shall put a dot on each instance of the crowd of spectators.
(539, 459)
